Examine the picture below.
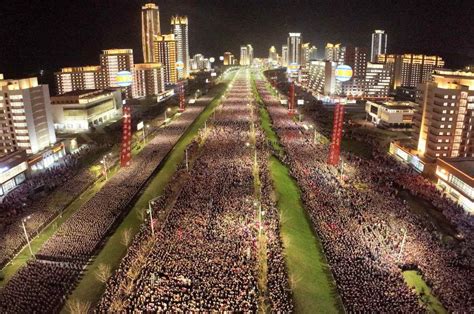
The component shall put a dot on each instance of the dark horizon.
(48, 36)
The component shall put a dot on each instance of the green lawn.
(90, 289)
(415, 281)
(311, 280)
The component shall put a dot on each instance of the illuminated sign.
(343, 73)
(124, 78)
(213, 74)
(179, 65)
(293, 67)
(8, 174)
(300, 102)
(140, 126)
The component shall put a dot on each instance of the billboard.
(124, 78)
(343, 73)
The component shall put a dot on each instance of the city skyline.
(106, 26)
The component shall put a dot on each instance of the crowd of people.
(78, 238)
(368, 234)
(205, 256)
(34, 199)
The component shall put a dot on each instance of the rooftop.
(463, 164)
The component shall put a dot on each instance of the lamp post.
(104, 163)
(403, 243)
(166, 116)
(187, 166)
(144, 134)
(150, 211)
(26, 235)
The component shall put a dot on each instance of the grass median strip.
(311, 281)
(313, 287)
(416, 282)
(90, 289)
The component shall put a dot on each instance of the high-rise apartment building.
(25, 115)
(356, 58)
(379, 44)
(294, 49)
(79, 78)
(284, 55)
(180, 31)
(305, 51)
(246, 55)
(149, 79)
(313, 53)
(378, 79)
(113, 61)
(411, 69)
(331, 52)
(150, 29)
(272, 54)
(444, 119)
(165, 48)
(321, 77)
(228, 58)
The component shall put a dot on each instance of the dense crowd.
(362, 229)
(77, 239)
(66, 178)
(205, 256)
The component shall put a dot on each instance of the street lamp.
(166, 116)
(187, 166)
(144, 134)
(403, 243)
(104, 163)
(26, 235)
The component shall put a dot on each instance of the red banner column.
(126, 151)
(291, 99)
(335, 148)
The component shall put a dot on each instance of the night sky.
(51, 34)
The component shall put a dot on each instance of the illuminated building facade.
(150, 29)
(411, 69)
(393, 114)
(246, 55)
(82, 109)
(331, 52)
(179, 25)
(78, 78)
(228, 58)
(148, 79)
(294, 49)
(25, 111)
(166, 54)
(112, 62)
(284, 55)
(443, 121)
(272, 54)
(378, 79)
(321, 77)
(312, 53)
(456, 178)
(379, 44)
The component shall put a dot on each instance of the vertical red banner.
(126, 151)
(335, 148)
(182, 100)
(291, 100)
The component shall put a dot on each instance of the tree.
(103, 272)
